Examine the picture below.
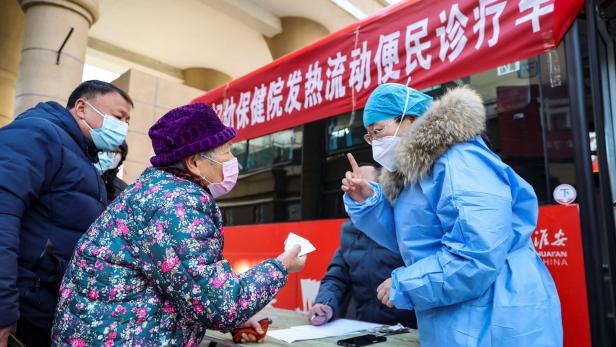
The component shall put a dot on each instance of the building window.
(345, 131)
(282, 147)
(240, 151)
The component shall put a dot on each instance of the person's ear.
(407, 120)
(80, 107)
(192, 166)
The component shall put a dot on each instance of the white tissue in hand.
(293, 239)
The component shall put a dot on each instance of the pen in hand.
(326, 303)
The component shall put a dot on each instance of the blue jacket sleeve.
(28, 156)
(335, 283)
(476, 217)
(374, 217)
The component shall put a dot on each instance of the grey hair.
(208, 154)
(180, 164)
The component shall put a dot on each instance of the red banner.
(429, 41)
(557, 238)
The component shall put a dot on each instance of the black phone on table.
(362, 340)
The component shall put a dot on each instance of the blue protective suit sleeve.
(374, 217)
(28, 155)
(477, 237)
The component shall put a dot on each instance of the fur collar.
(457, 117)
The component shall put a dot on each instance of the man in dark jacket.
(50, 193)
(356, 270)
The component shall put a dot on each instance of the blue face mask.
(111, 135)
(107, 161)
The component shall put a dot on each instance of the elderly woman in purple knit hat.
(150, 270)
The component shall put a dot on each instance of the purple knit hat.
(185, 131)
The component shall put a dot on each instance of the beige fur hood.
(456, 117)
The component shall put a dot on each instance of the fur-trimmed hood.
(456, 117)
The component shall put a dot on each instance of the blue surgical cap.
(387, 102)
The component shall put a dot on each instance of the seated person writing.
(357, 269)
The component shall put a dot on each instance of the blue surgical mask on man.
(111, 135)
(107, 161)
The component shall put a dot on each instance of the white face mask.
(383, 152)
(384, 149)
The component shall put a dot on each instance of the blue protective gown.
(471, 272)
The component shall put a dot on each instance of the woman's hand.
(355, 184)
(252, 323)
(291, 259)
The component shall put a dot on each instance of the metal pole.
(583, 171)
(606, 209)
(544, 131)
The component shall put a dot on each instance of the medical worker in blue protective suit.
(460, 218)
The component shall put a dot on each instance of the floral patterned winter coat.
(150, 272)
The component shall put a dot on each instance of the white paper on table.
(339, 327)
(294, 239)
